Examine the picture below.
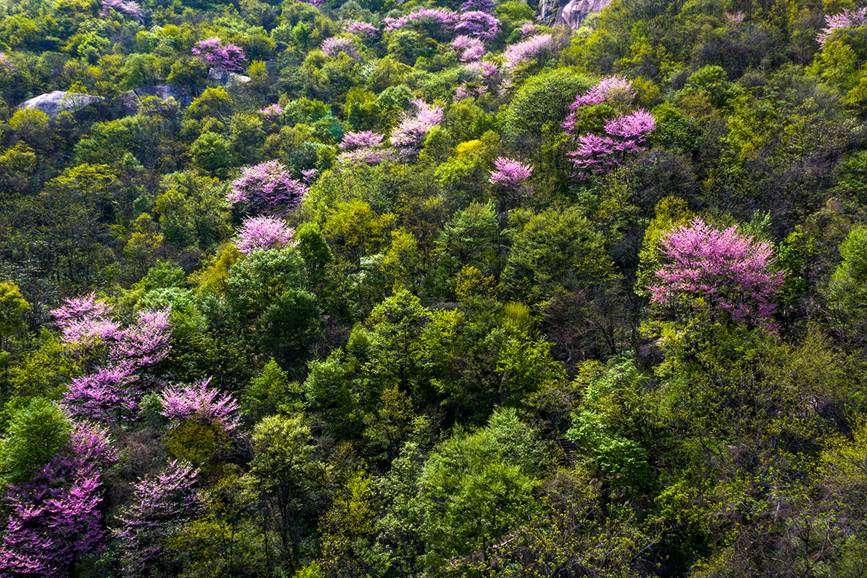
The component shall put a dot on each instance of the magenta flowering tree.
(82, 320)
(362, 28)
(271, 111)
(469, 49)
(213, 52)
(624, 135)
(409, 135)
(478, 6)
(160, 504)
(363, 139)
(267, 188)
(605, 89)
(201, 403)
(730, 271)
(124, 7)
(478, 24)
(436, 21)
(528, 49)
(842, 21)
(56, 518)
(114, 388)
(336, 44)
(263, 233)
(510, 173)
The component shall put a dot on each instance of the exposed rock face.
(53, 103)
(218, 76)
(571, 13)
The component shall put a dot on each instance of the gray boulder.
(53, 103)
(569, 13)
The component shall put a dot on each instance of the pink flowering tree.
(729, 271)
(123, 7)
(160, 504)
(363, 139)
(606, 89)
(56, 518)
(263, 233)
(532, 47)
(478, 24)
(271, 111)
(201, 403)
(409, 135)
(364, 147)
(267, 188)
(339, 44)
(114, 388)
(363, 29)
(437, 22)
(213, 52)
(842, 21)
(510, 173)
(469, 49)
(625, 135)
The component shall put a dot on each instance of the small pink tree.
(267, 188)
(56, 518)
(510, 173)
(213, 52)
(732, 272)
(842, 21)
(263, 233)
(623, 135)
(604, 90)
(409, 135)
(201, 403)
(159, 505)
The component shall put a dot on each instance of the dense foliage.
(362, 288)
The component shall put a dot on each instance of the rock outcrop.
(571, 13)
(53, 103)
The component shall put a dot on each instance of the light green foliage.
(847, 290)
(36, 432)
(13, 307)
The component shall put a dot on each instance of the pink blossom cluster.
(336, 44)
(159, 505)
(201, 403)
(267, 188)
(409, 135)
(362, 28)
(263, 233)
(478, 6)
(623, 135)
(604, 90)
(478, 24)
(309, 175)
(84, 319)
(56, 518)
(113, 388)
(364, 147)
(524, 50)
(842, 21)
(732, 272)
(528, 29)
(509, 172)
(469, 49)
(272, 110)
(442, 18)
(212, 51)
(125, 7)
(361, 139)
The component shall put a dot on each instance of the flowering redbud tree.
(214, 53)
(409, 135)
(56, 518)
(124, 7)
(527, 49)
(469, 49)
(730, 271)
(364, 147)
(201, 403)
(478, 24)
(510, 173)
(627, 134)
(160, 504)
(438, 21)
(271, 111)
(363, 139)
(267, 188)
(263, 233)
(604, 90)
(842, 21)
(336, 44)
(362, 28)
(114, 388)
